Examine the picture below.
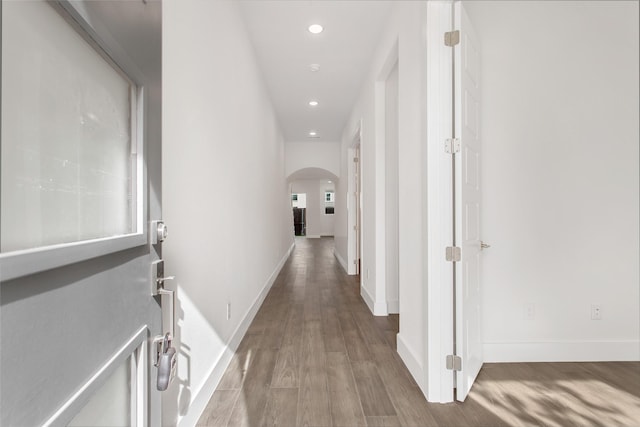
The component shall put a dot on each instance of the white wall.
(221, 147)
(560, 177)
(405, 32)
(318, 224)
(322, 155)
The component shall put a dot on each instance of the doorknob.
(483, 245)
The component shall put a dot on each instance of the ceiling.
(285, 49)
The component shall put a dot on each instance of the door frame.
(354, 205)
(439, 295)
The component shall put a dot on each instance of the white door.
(80, 181)
(358, 205)
(468, 203)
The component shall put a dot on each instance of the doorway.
(354, 206)
(299, 206)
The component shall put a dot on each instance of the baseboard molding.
(202, 397)
(562, 351)
(312, 236)
(412, 362)
(393, 306)
(341, 261)
(377, 308)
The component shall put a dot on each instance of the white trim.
(202, 396)
(378, 308)
(341, 261)
(562, 351)
(313, 236)
(380, 202)
(393, 307)
(80, 398)
(411, 361)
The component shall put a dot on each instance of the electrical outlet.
(596, 312)
(228, 311)
(530, 311)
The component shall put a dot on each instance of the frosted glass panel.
(111, 404)
(67, 171)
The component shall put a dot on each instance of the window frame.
(25, 262)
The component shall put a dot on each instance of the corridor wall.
(222, 146)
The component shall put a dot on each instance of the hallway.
(315, 356)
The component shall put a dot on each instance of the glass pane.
(111, 404)
(66, 168)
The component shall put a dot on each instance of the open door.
(468, 191)
(79, 184)
(358, 205)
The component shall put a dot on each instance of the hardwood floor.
(315, 356)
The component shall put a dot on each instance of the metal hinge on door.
(451, 38)
(454, 363)
(356, 160)
(453, 253)
(452, 145)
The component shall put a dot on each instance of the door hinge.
(451, 38)
(356, 160)
(453, 253)
(452, 145)
(454, 363)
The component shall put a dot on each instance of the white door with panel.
(468, 203)
(80, 182)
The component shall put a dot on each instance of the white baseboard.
(378, 308)
(341, 261)
(312, 236)
(202, 397)
(393, 306)
(413, 363)
(562, 351)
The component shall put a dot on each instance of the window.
(71, 170)
(329, 202)
(329, 196)
(299, 200)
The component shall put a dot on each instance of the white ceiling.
(285, 49)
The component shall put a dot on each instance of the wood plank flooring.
(315, 356)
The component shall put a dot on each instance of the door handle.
(165, 354)
(483, 245)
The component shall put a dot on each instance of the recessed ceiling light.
(329, 182)
(313, 133)
(315, 29)
(314, 67)
(313, 103)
